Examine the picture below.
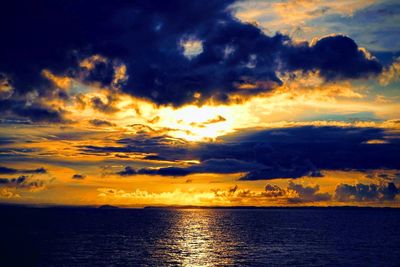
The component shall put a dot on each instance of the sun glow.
(114, 110)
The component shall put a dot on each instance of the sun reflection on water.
(198, 238)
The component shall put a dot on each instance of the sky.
(209, 103)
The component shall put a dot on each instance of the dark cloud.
(296, 193)
(6, 140)
(217, 119)
(224, 166)
(100, 71)
(6, 170)
(299, 151)
(383, 175)
(388, 192)
(336, 57)
(154, 157)
(22, 181)
(366, 192)
(295, 171)
(15, 153)
(166, 171)
(387, 58)
(12, 181)
(128, 171)
(99, 123)
(40, 114)
(36, 112)
(105, 107)
(14, 120)
(273, 153)
(163, 146)
(122, 156)
(78, 176)
(274, 191)
(307, 193)
(149, 37)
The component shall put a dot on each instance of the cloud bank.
(171, 53)
(292, 152)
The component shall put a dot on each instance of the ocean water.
(199, 237)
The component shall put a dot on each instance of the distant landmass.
(263, 207)
(108, 207)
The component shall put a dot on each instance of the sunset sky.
(220, 102)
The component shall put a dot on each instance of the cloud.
(154, 157)
(78, 176)
(371, 22)
(217, 119)
(391, 73)
(35, 112)
(103, 106)
(297, 193)
(5, 193)
(6, 170)
(306, 193)
(366, 192)
(6, 140)
(170, 53)
(291, 152)
(13, 181)
(224, 166)
(300, 11)
(166, 171)
(274, 191)
(297, 151)
(164, 146)
(6, 89)
(128, 171)
(272, 195)
(23, 182)
(100, 123)
(274, 172)
(335, 57)
(384, 176)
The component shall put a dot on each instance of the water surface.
(199, 237)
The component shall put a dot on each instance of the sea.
(72, 237)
